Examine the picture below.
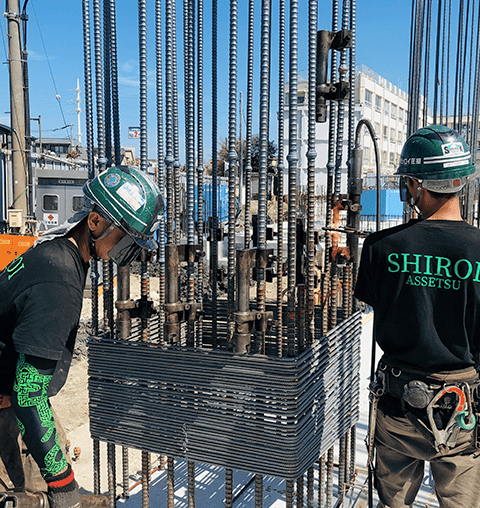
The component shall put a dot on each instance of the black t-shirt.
(40, 303)
(423, 281)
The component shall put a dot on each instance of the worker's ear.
(95, 222)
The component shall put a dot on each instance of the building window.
(377, 129)
(77, 203)
(385, 132)
(393, 111)
(301, 98)
(387, 108)
(50, 203)
(392, 158)
(400, 114)
(378, 103)
(368, 97)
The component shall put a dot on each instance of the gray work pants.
(401, 452)
(18, 470)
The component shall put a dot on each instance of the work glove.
(63, 490)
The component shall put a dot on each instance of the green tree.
(255, 155)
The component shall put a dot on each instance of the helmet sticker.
(131, 195)
(461, 162)
(410, 160)
(112, 180)
(453, 149)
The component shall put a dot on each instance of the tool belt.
(427, 393)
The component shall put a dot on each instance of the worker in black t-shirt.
(40, 304)
(423, 281)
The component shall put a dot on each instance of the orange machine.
(11, 246)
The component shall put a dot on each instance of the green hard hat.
(439, 157)
(128, 198)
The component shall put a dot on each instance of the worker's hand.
(63, 490)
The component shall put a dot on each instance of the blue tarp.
(390, 203)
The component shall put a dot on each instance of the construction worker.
(41, 300)
(423, 281)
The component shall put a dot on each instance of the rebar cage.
(270, 415)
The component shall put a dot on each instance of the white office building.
(385, 105)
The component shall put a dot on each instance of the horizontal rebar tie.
(269, 415)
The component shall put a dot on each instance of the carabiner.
(461, 420)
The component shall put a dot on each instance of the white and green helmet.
(438, 157)
(128, 198)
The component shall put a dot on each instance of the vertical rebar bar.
(331, 144)
(232, 162)
(189, 51)
(341, 467)
(200, 169)
(258, 491)
(289, 494)
(343, 70)
(191, 484)
(428, 31)
(280, 171)
(145, 478)
(263, 156)
(107, 82)
(87, 53)
(228, 488)
(293, 157)
(176, 146)
(101, 161)
(111, 474)
(301, 318)
(333, 296)
(248, 127)
(321, 481)
(353, 449)
(125, 473)
(214, 228)
(114, 85)
(169, 119)
(96, 466)
(160, 159)
(142, 45)
(300, 491)
(91, 175)
(310, 486)
(170, 482)
(437, 63)
(311, 157)
(329, 493)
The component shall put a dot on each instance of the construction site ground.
(72, 406)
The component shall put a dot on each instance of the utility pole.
(17, 110)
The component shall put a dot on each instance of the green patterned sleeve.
(34, 413)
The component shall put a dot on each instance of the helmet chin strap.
(92, 240)
(412, 201)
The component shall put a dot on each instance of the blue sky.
(55, 47)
